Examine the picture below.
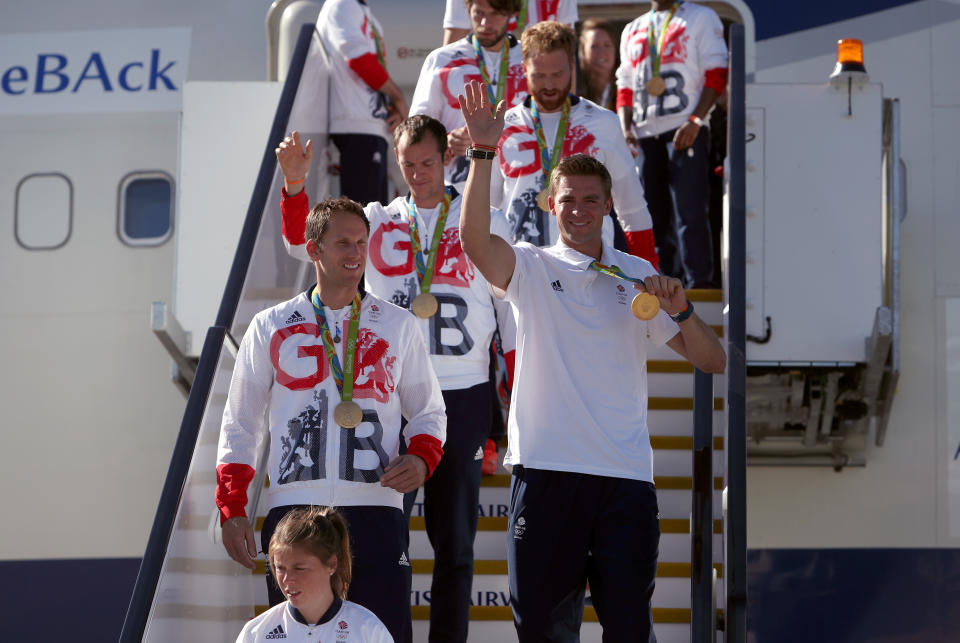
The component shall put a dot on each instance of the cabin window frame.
(16, 211)
(125, 183)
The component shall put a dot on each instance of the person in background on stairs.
(673, 65)
(310, 558)
(365, 103)
(488, 52)
(327, 377)
(583, 506)
(417, 263)
(456, 17)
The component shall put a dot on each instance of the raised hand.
(294, 158)
(483, 124)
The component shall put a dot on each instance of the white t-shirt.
(565, 11)
(351, 623)
(592, 130)
(579, 399)
(346, 29)
(443, 76)
(282, 384)
(693, 44)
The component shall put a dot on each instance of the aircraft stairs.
(189, 590)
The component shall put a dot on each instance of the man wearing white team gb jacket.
(456, 22)
(487, 54)
(365, 103)
(416, 261)
(326, 377)
(673, 65)
(551, 124)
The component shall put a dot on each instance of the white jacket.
(282, 385)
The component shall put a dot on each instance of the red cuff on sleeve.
(231, 495)
(293, 216)
(624, 97)
(370, 70)
(641, 244)
(510, 358)
(427, 448)
(716, 79)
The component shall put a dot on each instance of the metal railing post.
(735, 445)
(702, 616)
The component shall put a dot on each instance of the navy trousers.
(568, 528)
(363, 167)
(450, 501)
(381, 568)
(676, 187)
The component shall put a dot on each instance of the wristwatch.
(477, 153)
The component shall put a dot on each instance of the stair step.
(505, 613)
(661, 482)
(705, 294)
(680, 442)
(678, 403)
(499, 567)
(499, 523)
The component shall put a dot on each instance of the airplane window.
(43, 216)
(146, 208)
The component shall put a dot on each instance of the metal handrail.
(135, 621)
(735, 444)
(896, 211)
(218, 335)
(702, 615)
(251, 224)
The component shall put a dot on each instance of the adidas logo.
(295, 318)
(556, 285)
(403, 560)
(479, 455)
(276, 633)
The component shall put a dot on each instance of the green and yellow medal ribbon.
(425, 268)
(655, 45)
(485, 75)
(614, 271)
(343, 376)
(548, 160)
(378, 41)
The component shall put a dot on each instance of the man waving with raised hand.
(583, 505)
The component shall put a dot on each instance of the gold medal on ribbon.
(543, 199)
(656, 86)
(348, 414)
(645, 306)
(424, 305)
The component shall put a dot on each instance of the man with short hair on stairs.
(673, 66)
(416, 261)
(488, 52)
(583, 506)
(326, 377)
(456, 19)
(552, 123)
(365, 103)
